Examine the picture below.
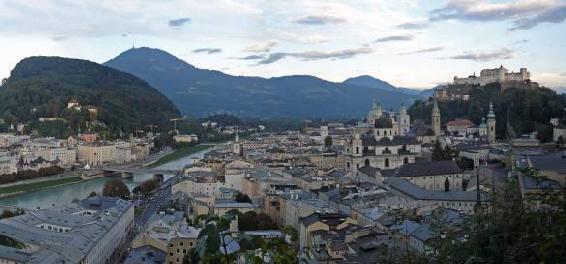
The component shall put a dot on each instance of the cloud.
(58, 38)
(273, 58)
(261, 47)
(177, 23)
(524, 14)
(433, 49)
(395, 38)
(251, 57)
(482, 56)
(316, 55)
(554, 15)
(413, 25)
(563, 74)
(207, 50)
(320, 20)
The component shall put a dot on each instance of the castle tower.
(436, 119)
(491, 124)
(404, 121)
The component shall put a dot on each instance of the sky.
(409, 43)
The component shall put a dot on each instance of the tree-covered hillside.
(527, 110)
(42, 87)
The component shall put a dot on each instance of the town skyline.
(330, 40)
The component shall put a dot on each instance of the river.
(67, 193)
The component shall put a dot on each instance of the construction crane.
(174, 120)
(151, 127)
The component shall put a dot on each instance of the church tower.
(404, 121)
(375, 113)
(436, 119)
(491, 124)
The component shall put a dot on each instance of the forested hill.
(42, 87)
(527, 110)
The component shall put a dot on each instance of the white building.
(96, 155)
(8, 165)
(90, 231)
(65, 157)
(185, 138)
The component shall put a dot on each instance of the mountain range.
(201, 92)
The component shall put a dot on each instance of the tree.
(146, 187)
(544, 133)
(116, 188)
(291, 232)
(9, 213)
(264, 222)
(328, 141)
(513, 230)
(248, 221)
(242, 198)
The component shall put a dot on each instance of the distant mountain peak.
(370, 81)
(145, 54)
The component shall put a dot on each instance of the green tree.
(9, 213)
(242, 198)
(328, 141)
(248, 221)
(513, 230)
(116, 188)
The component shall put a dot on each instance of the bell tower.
(435, 122)
(491, 124)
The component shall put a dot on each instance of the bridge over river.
(139, 170)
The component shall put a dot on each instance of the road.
(160, 198)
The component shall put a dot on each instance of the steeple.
(435, 119)
(491, 113)
(491, 124)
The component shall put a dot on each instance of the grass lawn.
(179, 153)
(35, 186)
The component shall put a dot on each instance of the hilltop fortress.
(461, 87)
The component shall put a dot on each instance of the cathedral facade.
(381, 141)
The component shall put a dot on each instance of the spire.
(435, 110)
(491, 113)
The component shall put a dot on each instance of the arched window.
(386, 162)
(357, 150)
(377, 132)
(366, 162)
(348, 165)
(405, 160)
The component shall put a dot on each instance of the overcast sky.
(408, 43)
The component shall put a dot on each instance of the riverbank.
(178, 154)
(36, 186)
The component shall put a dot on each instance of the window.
(181, 243)
(405, 160)
(357, 150)
(366, 162)
(171, 245)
